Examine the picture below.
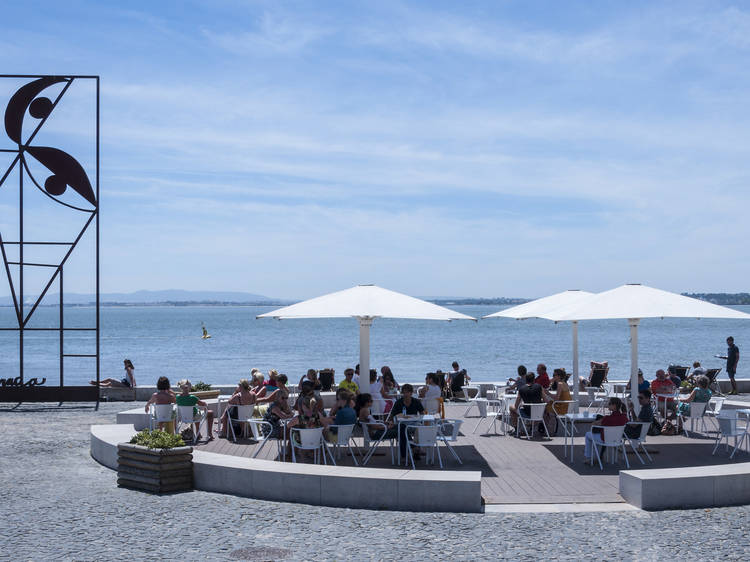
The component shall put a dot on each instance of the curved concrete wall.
(368, 488)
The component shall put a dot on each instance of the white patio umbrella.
(634, 302)
(540, 307)
(365, 303)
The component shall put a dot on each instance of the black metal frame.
(65, 172)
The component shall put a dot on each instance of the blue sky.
(435, 148)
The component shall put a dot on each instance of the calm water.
(166, 341)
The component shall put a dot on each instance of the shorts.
(731, 375)
(126, 382)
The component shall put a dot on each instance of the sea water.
(166, 340)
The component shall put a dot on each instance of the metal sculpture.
(26, 114)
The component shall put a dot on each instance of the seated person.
(520, 379)
(270, 384)
(457, 378)
(646, 414)
(663, 385)
(309, 414)
(431, 389)
(363, 409)
(700, 393)
(312, 376)
(697, 372)
(530, 393)
(595, 375)
(542, 377)
(643, 384)
(407, 405)
(278, 412)
(377, 390)
(243, 396)
(616, 417)
(342, 413)
(561, 392)
(163, 395)
(672, 375)
(281, 387)
(389, 382)
(348, 382)
(187, 399)
(327, 379)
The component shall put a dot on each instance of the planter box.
(154, 470)
(203, 394)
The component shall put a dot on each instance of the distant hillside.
(170, 296)
(722, 298)
(446, 301)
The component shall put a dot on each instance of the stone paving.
(58, 503)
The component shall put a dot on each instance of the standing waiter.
(732, 357)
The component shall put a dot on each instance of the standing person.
(128, 381)
(187, 399)
(732, 357)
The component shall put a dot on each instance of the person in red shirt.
(542, 378)
(662, 384)
(617, 416)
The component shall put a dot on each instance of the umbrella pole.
(634, 363)
(576, 379)
(364, 357)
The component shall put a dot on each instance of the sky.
(483, 149)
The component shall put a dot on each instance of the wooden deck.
(520, 471)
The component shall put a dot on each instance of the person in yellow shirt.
(348, 383)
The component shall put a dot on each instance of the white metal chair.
(694, 415)
(494, 410)
(597, 399)
(449, 431)
(309, 439)
(714, 407)
(340, 436)
(536, 414)
(160, 413)
(728, 428)
(190, 415)
(426, 437)
(611, 438)
(243, 415)
(637, 442)
(367, 428)
(380, 406)
(262, 431)
(561, 417)
(479, 402)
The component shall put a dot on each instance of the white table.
(570, 420)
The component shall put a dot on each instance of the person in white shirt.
(431, 388)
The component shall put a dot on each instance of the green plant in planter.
(157, 439)
(200, 386)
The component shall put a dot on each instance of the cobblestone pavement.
(58, 503)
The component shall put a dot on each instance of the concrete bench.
(681, 488)
(352, 487)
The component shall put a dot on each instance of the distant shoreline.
(715, 298)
